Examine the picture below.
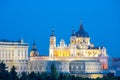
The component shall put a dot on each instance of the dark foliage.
(54, 73)
(4, 75)
(24, 76)
(12, 75)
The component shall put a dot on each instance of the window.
(81, 67)
(35, 67)
(2, 50)
(40, 67)
(18, 52)
(9, 51)
(21, 68)
(71, 67)
(76, 67)
(30, 67)
(24, 67)
(25, 52)
(12, 52)
(21, 51)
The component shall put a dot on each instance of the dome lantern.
(81, 32)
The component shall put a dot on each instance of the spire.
(34, 47)
(73, 31)
(81, 24)
(52, 34)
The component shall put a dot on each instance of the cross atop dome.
(81, 24)
(81, 27)
(52, 34)
(81, 32)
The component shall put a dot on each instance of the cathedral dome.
(34, 52)
(82, 32)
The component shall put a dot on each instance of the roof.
(81, 32)
(12, 43)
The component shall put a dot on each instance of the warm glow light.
(62, 53)
(94, 76)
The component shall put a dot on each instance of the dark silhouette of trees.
(13, 73)
(32, 76)
(24, 76)
(53, 75)
(4, 75)
(44, 76)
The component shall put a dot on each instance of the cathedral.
(80, 48)
(79, 57)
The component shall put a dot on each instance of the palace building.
(79, 57)
(14, 53)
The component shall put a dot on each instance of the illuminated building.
(80, 48)
(80, 57)
(86, 68)
(14, 53)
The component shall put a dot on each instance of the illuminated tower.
(73, 38)
(73, 44)
(52, 44)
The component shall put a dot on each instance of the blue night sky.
(33, 20)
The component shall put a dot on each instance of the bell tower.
(52, 40)
(73, 38)
(52, 44)
(72, 44)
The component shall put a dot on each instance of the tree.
(54, 73)
(7, 76)
(13, 74)
(39, 76)
(24, 76)
(61, 76)
(43, 76)
(4, 75)
(32, 76)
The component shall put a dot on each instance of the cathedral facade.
(80, 48)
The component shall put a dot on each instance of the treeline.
(53, 75)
